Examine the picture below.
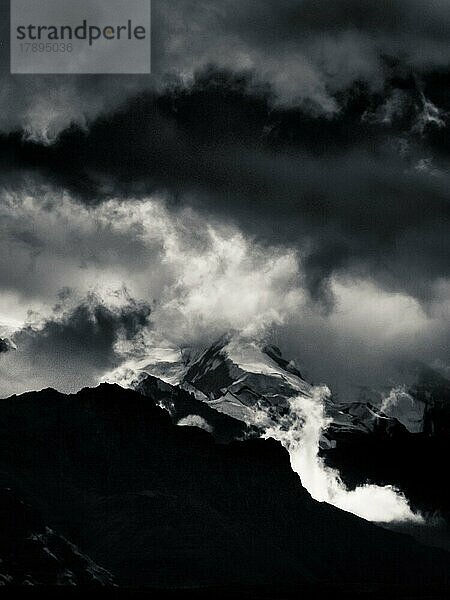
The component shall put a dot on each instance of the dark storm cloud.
(86, 335)
(350, 192)
(289, 17)
(72, 348)
(306, 49)
(334, 141)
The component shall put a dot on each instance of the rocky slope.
(33, 554)
(185, 408)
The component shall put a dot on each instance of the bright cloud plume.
(300, 431)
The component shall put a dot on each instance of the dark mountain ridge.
(167, 507)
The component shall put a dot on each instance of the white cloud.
(398, 403)
(200, 278)
(367, 337)
(195, 421)
(299, 431)
(203, 278)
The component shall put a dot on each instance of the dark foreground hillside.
(162, 506)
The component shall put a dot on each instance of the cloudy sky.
(282, 172)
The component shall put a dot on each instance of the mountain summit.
(355, 455)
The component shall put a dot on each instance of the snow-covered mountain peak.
(238, 377)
